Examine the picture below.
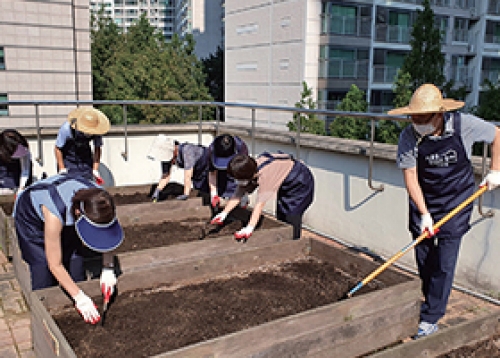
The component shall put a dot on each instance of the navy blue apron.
(446, 177)
(77, 155)
(200, 169)
(10, 174)
(30, 234)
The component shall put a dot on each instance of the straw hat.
(428, 99)
(89, 121)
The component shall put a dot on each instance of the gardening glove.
(214, 199)
(219, 219)
(108, 282)
(244, 201)
(244, 233)
(63, 171)
(86, 308)
(426, 224)
(182, 197)
(156, 195)
(97, 177)
(492, 179)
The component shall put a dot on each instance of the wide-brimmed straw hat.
(89, 121)
(428, 99)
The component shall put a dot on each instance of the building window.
(4, 109)
(2, 59)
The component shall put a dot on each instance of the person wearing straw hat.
(72, 150)
(223, 148)
(193, 158)
(434, 154)
(56, 220)
(15, 162)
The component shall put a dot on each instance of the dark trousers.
(436, 261)
(293, 219)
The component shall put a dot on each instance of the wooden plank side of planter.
(3, 233)
(21, 268)
(47, 338)
(129, 189)
(446, 339)
(325, 331)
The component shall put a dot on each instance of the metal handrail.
(253, 107)
(490, 213)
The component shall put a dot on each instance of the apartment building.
(202, 18)
(271, 47)
(44, 55)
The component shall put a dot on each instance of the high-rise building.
(44, 55)
(272, 47)
(202, 18)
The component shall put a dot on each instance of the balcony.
(384, 74)
(346, 25)
(491, 39)
(494, 8)
(491, 75)
(393, 33)
(461, 35)
(340, 68)
(460, 75)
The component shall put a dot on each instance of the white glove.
(426, 223)
(86, 308)
(214, 199)
(244, 233)
(108, 282)
(219, 218)
(492, 179)
(63, 171)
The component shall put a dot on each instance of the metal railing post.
(200, 117)
(39, 159)
(297, 138)
(370, 166)
(125, 120)
(489, 213)
(253, 132)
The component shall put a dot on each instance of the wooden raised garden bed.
(279, 300)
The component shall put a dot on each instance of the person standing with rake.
(434, 154)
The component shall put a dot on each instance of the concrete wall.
(344, 206)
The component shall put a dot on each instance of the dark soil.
(171, 191)
(7, 208)
(147, 322)
(489, 348)
(140, 237)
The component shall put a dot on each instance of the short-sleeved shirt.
(474, 129)
(66, 190)
(65, 133)
(270, 177)
(191, 153)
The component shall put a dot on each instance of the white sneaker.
(425, 329)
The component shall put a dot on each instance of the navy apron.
(30, 234)
(200, 169)
(77, 155)
(10, 174)
(446, 177)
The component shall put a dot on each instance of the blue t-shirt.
(65, 133)
(474, 129)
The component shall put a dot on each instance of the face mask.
(424, 129)
(241, 182)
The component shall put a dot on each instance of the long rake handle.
(415, 242)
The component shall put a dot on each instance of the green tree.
(145, 67)
(489, 105)
(351, 127)
(425, 61)
(309, 122)
(105, 37)
(213, 67)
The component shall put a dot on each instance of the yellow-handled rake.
(415, 242)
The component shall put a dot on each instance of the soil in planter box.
(147, 322)
(140, 237)
(488, 348)
(171, 191)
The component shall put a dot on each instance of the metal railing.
(373, 117)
